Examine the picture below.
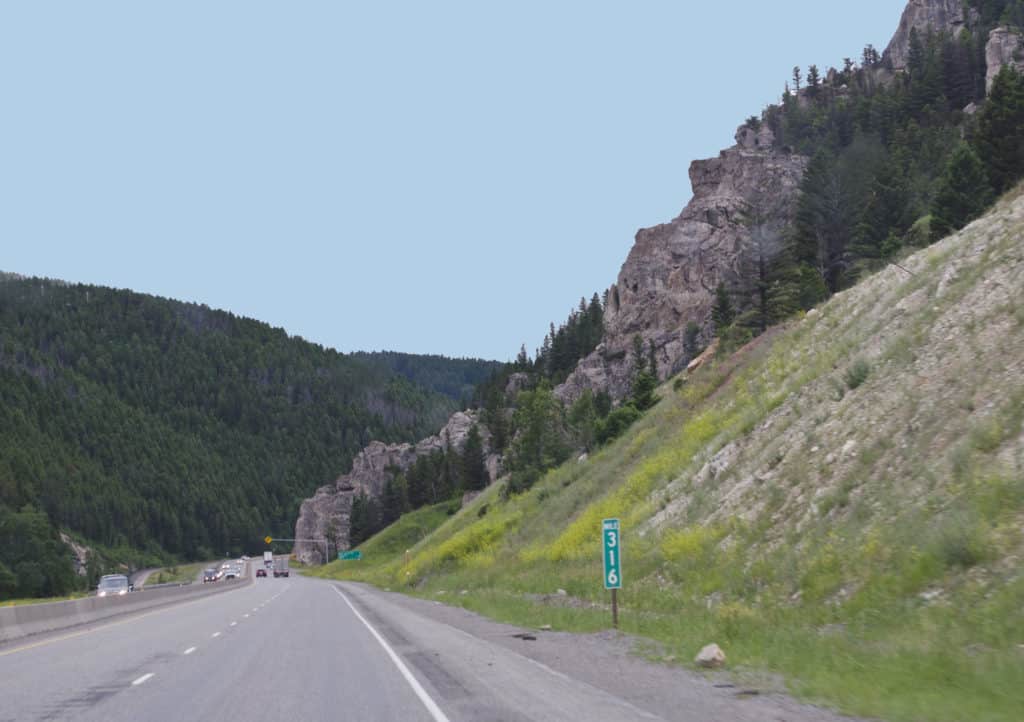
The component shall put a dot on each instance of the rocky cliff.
(924, 15)
(742, 200)
(327, 513)
(1005, 47)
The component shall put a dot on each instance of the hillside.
(840, 502)
(168, 428)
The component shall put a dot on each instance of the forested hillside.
(141, 423)
(454, 377)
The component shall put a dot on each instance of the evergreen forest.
(153, 430)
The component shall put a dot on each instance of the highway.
(306, 649)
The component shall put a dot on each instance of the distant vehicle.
(113, 585)
(281, 566)
(231, 573)
(210, 575)
(261, 572)
(268, 559)
(225, 565)
(245, 558)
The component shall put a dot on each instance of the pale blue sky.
(431, 177)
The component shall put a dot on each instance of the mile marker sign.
(612, 554)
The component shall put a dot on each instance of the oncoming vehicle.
(209, 575)
(113, 585)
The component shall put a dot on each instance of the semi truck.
(281, 566)
(268, 559)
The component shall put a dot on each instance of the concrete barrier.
(28, 619)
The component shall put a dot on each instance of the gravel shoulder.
(608, 661)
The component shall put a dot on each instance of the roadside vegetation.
(177, 574)
(839, 502)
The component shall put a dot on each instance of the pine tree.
(1000, 139)
(358, 525)
(722, 312)
(523, 359)
(474, 466)
(813, 81)
(691, 340)
(394, 501)
(582, 418)
(638, 353)
(642, 392)
(963, 192)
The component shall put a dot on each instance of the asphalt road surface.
(300, 649)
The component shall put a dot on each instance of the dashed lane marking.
(216, 634)
(190, 650)
(142, 679)
(127, 620)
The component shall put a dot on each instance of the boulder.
(710, 656)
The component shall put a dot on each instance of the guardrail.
(28, 619)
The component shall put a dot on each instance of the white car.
(114, 585)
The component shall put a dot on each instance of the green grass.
(177, 574)
(881, 584)
(22, 602)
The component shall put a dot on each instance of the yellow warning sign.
(268, 539)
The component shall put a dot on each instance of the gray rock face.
(327, 513)
(80, 554)
(1005, 47)
(924, 15)
(742, 200)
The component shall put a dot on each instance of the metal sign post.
(270, 539)
(611, 541)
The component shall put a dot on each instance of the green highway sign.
(612, 554)
(353, 554)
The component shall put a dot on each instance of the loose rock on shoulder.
(711, 656)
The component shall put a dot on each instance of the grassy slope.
(178, 573)
(841, 502)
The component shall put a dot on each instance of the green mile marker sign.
(612, 554)
(353, 554)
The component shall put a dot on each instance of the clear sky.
(430, 177)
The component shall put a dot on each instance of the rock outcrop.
(742, 201)
(924, 15)
(327, 513)
(80, 554)
(1005, 47)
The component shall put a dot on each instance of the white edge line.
(425, 698)
(190, 650)
(142, 679)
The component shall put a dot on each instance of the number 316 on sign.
(612, 554)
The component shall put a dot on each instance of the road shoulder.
(606, 661)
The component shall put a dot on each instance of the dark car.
(261, 572)
(209, 575)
